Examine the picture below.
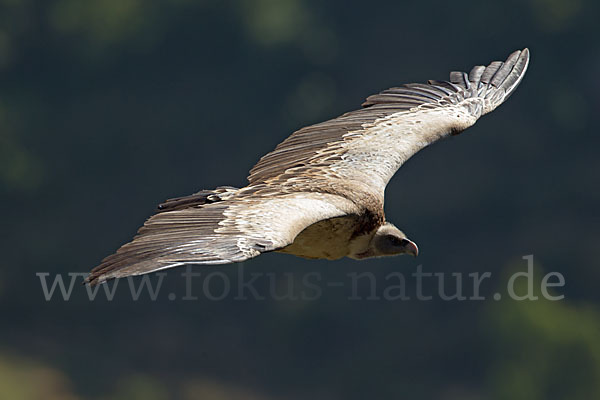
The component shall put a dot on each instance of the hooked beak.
(411, 248)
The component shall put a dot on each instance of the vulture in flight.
(320, 192)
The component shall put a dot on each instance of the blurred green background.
(109, 107)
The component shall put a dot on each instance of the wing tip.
(98, 275)
(93, 279)
(496, 81)
(516, 73)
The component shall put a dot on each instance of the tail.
(197, 199)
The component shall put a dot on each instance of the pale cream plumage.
(320, 193)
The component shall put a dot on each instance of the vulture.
(319, 194)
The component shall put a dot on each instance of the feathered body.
(320, 193)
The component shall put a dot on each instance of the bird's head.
(391, 241)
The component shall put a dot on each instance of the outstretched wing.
(335, 168)
(369, 145)
(246, 224)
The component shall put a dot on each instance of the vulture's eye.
(395, 240)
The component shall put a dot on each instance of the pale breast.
(329, 239)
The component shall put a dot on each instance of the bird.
(320, 193)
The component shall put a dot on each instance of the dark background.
(109, 107)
